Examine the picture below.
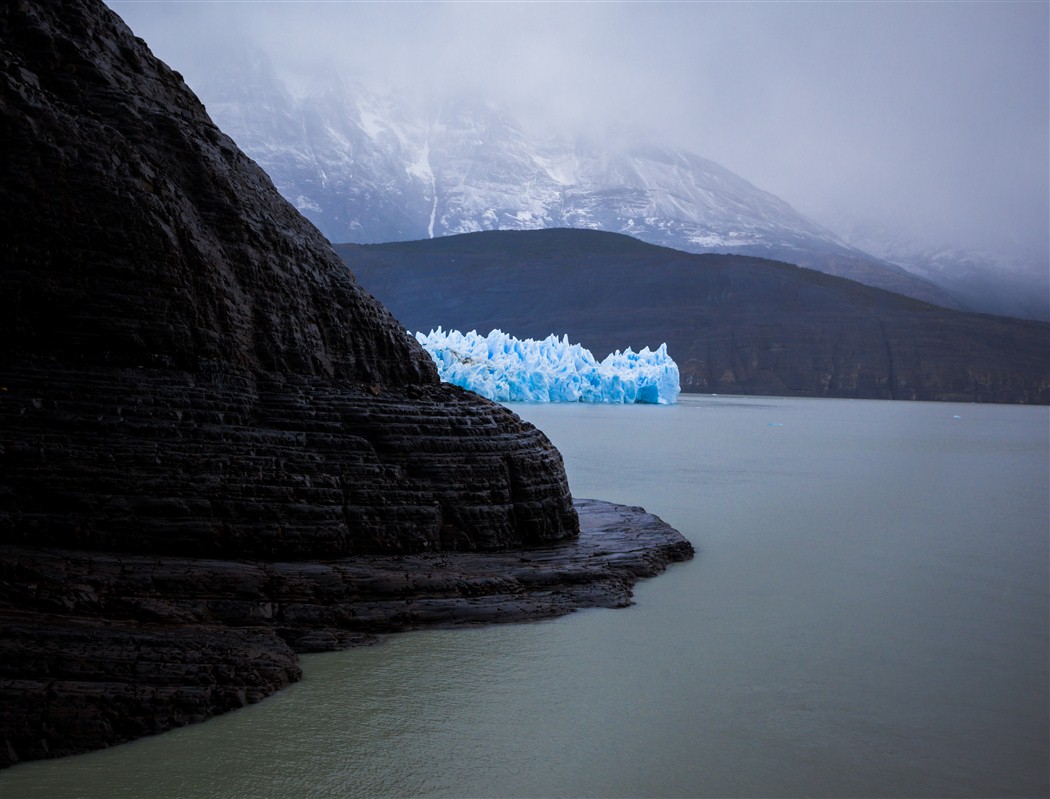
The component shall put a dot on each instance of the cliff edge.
(215, 447)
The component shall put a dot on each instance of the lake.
(867, 615)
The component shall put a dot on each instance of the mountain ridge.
(370, 167)
(992, 282)
(733, 323)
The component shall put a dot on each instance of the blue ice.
(507, 369)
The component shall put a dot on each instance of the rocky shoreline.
(99, 648)
(216, 450)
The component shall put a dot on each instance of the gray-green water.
(867, 615)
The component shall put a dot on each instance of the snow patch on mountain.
(304, 204)
(991, 282)
(369, 167)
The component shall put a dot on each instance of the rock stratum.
(216, 449)
(104, 647)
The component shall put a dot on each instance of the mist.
(931, 119)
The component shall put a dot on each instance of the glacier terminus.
(507, 369)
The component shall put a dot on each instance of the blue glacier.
(507, 369)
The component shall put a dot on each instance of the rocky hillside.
(189, 372)
(734, 324)
(162, 298)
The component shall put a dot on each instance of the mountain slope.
(368, 167)
(734, 324)
(1011, 286)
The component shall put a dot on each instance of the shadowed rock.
(189, 372)
(181, 345)
(105, 647)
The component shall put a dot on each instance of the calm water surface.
(867, 616)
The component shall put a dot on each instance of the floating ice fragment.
(507, 369)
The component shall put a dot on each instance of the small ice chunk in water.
(506, 369)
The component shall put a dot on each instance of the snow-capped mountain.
(990, 282)
(368, 167)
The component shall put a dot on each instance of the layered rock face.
(189, 371)
(181, 345)
(99, 648)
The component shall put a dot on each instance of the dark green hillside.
(734, 324)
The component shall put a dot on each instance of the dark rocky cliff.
(178, 342)
(189, 371)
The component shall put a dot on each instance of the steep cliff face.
(188, 371)
(141, 236)
(187, 365)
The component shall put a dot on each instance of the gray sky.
(931, 116)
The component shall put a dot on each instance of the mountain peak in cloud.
(371, 166)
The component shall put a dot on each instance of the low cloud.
(929, 117)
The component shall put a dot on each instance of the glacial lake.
(867, 616)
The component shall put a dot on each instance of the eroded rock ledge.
(97, 648)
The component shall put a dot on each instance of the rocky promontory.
(104, 647)
(217, 450)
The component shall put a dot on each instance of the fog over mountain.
(368, 167)
(928, 120)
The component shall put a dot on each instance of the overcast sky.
(931, 116)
